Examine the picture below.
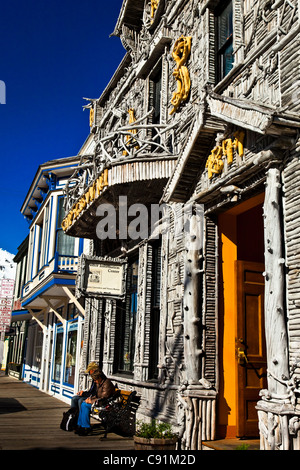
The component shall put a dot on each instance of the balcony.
(135, 161)
(50, 281)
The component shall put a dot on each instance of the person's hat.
(92, 366)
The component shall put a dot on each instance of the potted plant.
(155, 435)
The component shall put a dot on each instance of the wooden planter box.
(142, 443)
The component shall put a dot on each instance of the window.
(126, 321)
(71, 354)
(155, 100)
(42, 239)
(58, 354)
(64, 243)
(71, 312)
(155, 310)
(45, 232)
(40, 242)
(30, 272)
(156, 96)
(52, 319)
(16, 338)
(224, 40)
(37, 358)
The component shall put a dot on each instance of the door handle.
(242, 357)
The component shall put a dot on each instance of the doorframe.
(227, 426)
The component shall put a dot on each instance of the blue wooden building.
(54, 333)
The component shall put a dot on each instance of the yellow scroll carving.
(214, 162)
(227, 147)
(239, 142)
(181, 52)
(154, 6)
(129, 139)
(92, 115)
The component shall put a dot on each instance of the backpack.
(69, 421)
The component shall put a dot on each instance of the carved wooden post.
(191, 301)
(275, 325)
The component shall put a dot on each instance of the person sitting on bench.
(104, 389)
(81, 396)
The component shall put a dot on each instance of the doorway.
(242, 350)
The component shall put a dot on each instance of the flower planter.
(143, 443)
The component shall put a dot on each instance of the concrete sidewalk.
(30, 420)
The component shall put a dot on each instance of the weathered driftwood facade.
(202, 116)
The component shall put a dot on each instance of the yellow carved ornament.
(129, 139)
(215, 164)
(154, 6)
(239, 142)
(93, 192)
(230, 145)
(92, 116)
(181, 52)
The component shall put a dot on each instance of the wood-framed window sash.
(155, 96)
(156, 276)
(65, 245)
(125, 333)
(224, 39)
(212, 9)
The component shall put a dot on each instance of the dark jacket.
(91, 391)
(104, 389)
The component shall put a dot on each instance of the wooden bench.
(117, 411)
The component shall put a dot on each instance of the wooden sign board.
(101, 277)
(6, 301)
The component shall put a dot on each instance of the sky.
(52, 54)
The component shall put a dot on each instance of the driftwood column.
(191, 302)
(275, 325)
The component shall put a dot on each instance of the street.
(30, 420)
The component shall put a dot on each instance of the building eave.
(221, 111)
(252, 116)
(131, 15)
(59, 166)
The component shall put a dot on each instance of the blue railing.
(65, 263)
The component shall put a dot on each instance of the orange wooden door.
(250, 345)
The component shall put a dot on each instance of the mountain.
(7, 266)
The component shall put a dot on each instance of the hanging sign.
(101, 277)
(6, 301)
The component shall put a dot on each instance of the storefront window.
(127, 321)
(71, 354)
(58, 354)
(155, 310)
(37, 358)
